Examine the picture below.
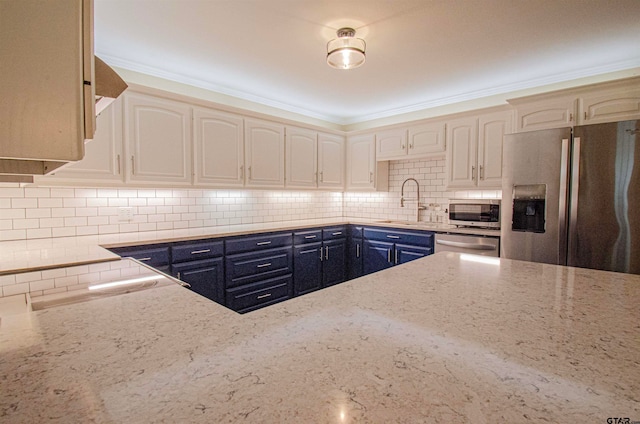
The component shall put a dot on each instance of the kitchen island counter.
(440, 339)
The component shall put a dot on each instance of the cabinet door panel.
(219, 148)
(361, 162)
(405, 253)
(307, 268)
(103, 155)
(391, 144)
(264, 153)
(158, 139)
(546, 114)
(427, 139)
(377, 256)
(205, 277)
(611, 105)
(462, 153)
(331, 152)
(302, 159)
(334, 267)
(260, 294)
(492, 128)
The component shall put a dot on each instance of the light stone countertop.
(437, 340)
(37, 254)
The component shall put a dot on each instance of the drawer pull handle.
(263, 243)
(195, 252)
(262, 296)
(264, 265)
(358, 250)
(337, 233)
(310, 237)
(144, 259)
(393, 237)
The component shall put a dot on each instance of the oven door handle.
(472, 246)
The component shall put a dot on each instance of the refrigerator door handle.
(573, 204)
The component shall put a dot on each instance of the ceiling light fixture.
(346, 51)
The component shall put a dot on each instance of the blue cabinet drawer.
(258, 242)
(243, 268)
(152, 256)
(257, 295)
(334, 233)
(309, 236)
(196, 251)
(417, 238)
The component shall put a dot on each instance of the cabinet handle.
(118, 160)
(481, 172)
(178, 275)
(310, 237)
(133, 166)
(249, 173)
(585, 116)
(411, 145)
(396, 256)
(337, 233)
(263, 243)
(358, 250)
(144, 259)
(571, 117)
(321, 176)
(392, 237)
(389, 255)
(264, 265)
(326, 255)
(262, 296)
(242, 172)
(370, 177)
(195, 252)
(473, 172)
(403, 146)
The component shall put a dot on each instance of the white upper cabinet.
(264, 153)
(363, 173)
(218, 148)
(462, 153)
(102, 162)
(417, 141)
(491, 130)
(606, 102)
(426, 139)
(331, 152)
(391, 144)
(474, 156)
(301, 158)
(610, 105)
(549, 113)
(158, 135)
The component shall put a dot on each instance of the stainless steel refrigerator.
(571, 196)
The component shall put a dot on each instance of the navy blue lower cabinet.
(259, 294)
(156, 256)
(206, 277)
(404, 253)
(387, 247)
(334, 264)
(307, 268)
(378, 255)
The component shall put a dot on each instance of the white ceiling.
(420, 53)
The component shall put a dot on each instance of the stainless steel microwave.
(475, 213)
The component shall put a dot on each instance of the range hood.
(21, 169)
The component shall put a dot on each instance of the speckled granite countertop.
(37, 254)
(438, 340)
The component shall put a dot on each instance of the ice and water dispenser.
(529, 208)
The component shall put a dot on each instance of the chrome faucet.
(417, 199)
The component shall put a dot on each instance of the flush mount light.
(346, 51)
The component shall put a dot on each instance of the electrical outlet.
(125, 214)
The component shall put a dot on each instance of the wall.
(39, 212)
(433, 194)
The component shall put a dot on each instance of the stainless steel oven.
(483, 213)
